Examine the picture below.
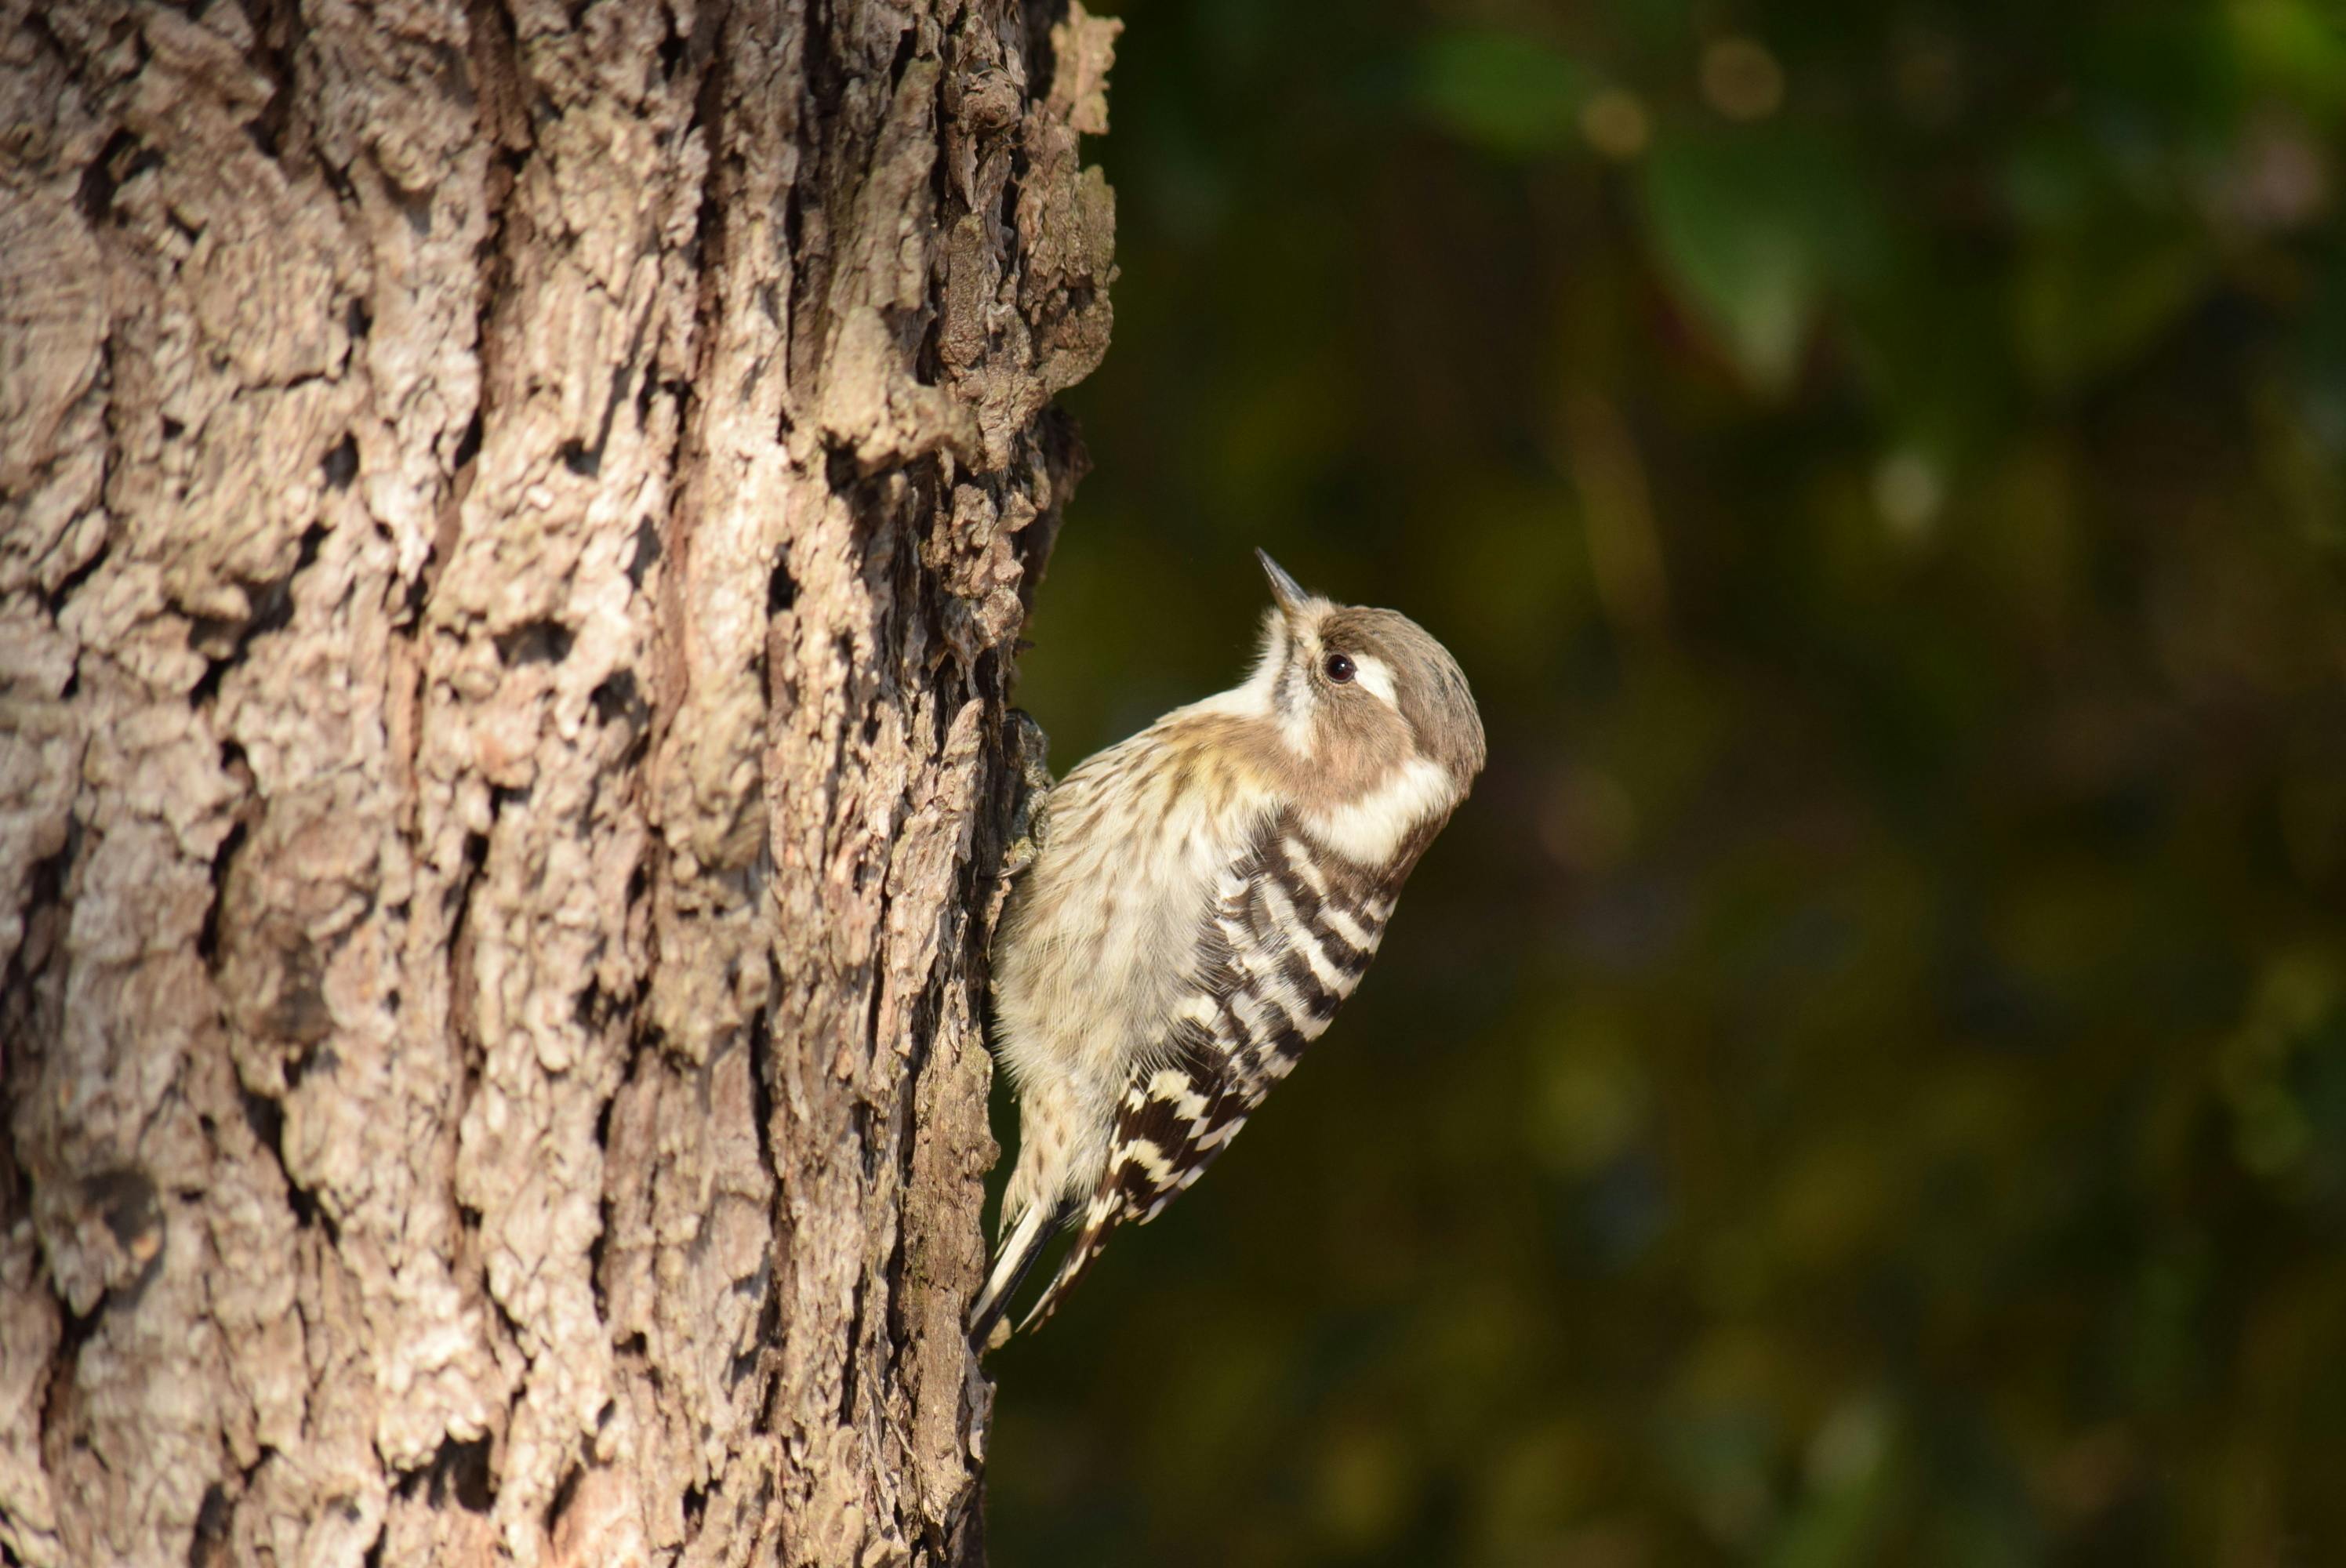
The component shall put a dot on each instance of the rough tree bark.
(517, 518)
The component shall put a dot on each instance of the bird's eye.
(1339, 669)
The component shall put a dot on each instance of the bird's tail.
(1022, 1244)
(1071, 1269)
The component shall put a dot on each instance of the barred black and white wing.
(1292, 928)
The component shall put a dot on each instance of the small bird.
(1198, 900)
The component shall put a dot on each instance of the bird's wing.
(1291, 930)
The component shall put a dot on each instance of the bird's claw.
(1029, 751)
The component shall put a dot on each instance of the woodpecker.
(1198, 900)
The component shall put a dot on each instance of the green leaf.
(2087, 303)
(1754, 227)
(1501, 91)
(2291, 46)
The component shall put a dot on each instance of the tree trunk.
(516, 519)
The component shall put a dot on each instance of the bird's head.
(1357, 691)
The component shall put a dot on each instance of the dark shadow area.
(1864, 1079)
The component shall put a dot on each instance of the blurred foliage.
(1863, 1081)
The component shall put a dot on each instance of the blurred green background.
(1863, 1080)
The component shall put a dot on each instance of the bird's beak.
(1284, 588)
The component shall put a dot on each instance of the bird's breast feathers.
(1104, 928)
(1097, 931)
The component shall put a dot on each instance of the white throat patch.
(1258, 697)
(1370, 829)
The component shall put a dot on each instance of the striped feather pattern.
(1293, 929)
